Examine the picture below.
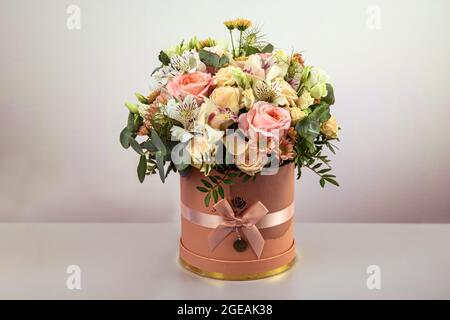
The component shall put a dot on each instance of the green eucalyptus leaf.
(160, 165)
(224, 60)
(268, 48)
(125, 137)
(330, 96)
(142, 168)
(149, 146)
(209, 58)
(157, 142)
(136, 146)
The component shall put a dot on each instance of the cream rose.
(224, 77)
(226, 97)
(330, 128)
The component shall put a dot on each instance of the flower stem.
(232, 44)
(240, 42)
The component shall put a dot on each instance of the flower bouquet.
(234, 121)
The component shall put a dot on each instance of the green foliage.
(211, 59)
(330, 96)
(142, 168)
(212, 186)
(164, 58)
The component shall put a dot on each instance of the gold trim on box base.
(236, 277)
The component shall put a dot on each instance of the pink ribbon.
(246, 223)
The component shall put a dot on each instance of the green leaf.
(164, 58)
(324, 171)
(214, 180)
(207, 199)
(201, 189)
(233, 174)
(332, 181)
(228, 181)
(215, 195)
(209, 58)
(330, 96)
(141, 98)
(125, 137)
(268, 48)
(249, 50)
(149, 146)
(142, 168)
(246, 178)
(224, 60)
(321, 113)
(136, 147)
(221, 192)
(206, 183)
(317, 166)
(133, 123)
(157, 142)
(160, 165)
(322, 182)
(132, 107)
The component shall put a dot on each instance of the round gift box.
(275, 192)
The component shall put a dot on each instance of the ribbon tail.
(255, 239)
(218, 235)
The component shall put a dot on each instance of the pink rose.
(265, 120)
(196, 84)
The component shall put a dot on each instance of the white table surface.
(139, 261)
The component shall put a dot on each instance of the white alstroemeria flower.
(188, 61)
(162, 76)
(277, 71)
(184, 112)
(180, 134)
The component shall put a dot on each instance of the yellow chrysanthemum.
(207, 43)
(230, 24)
(242, 24)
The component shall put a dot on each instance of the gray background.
(62, 94)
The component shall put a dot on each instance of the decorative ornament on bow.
(245, 223)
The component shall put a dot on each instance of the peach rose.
(226, 97)
(197, 84)
(266, 120)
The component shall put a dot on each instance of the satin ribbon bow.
(246, 223)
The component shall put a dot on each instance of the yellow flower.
(330, 128)
(297, 115)
(226, 97)
(242, 24)
(252, 161)
(247, 99)
(288, 93)
(305, 100)
(230, 24)
(224, 77)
